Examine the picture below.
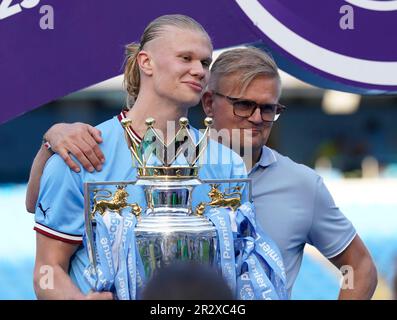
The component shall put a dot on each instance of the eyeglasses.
(244, 108)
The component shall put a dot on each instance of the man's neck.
(160, 111)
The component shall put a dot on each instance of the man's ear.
(206, 102)
(144, 61)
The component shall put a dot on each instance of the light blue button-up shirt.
(294, 207)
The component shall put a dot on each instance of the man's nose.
(256, 117)
(198, 70)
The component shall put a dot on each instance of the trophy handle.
(135, 209)
(200, 209)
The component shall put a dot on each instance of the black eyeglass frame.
(279, 107)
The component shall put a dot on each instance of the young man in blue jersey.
(164, 75)
(292, 203)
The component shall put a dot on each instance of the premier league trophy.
(128, 240)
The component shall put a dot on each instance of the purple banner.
(346, 45)
(50, 48)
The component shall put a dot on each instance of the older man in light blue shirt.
(292, 203)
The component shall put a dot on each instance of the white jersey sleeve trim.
(57, 235)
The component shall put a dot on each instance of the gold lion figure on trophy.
(219, 199)
(117, 203)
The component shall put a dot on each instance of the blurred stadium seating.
(368, 203)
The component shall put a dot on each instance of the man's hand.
(79, 139)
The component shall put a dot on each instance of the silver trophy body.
(169, 231)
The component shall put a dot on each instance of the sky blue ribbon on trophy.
(221, 219)
(95, 276)
(121, 278)
(105, 264)
(123, 284)
(254, 273)
(117, 260)
(260, 257)
(245, 290)
(132, 270)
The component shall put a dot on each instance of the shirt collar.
(267, 157)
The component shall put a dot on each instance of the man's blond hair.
(244, 63)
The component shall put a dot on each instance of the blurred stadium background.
(350, 139)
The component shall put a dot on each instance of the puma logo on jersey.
(44, 211)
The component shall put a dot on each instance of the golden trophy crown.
(157, 160)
